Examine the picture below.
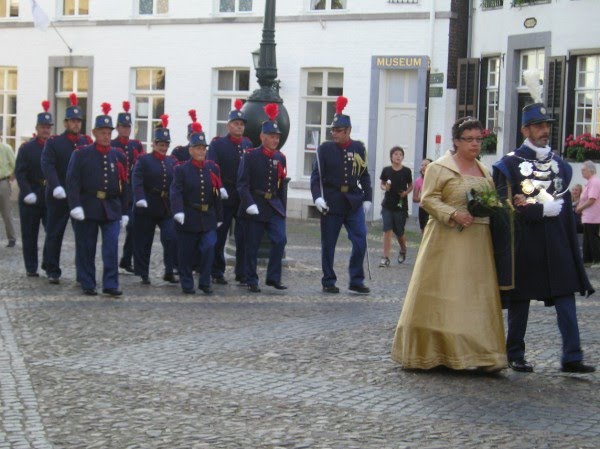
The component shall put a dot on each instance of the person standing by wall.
(416, 197)
(589, 209)
(7, 174)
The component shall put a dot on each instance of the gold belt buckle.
(204, 207)
(101, 195)
(268, 195)
(163, 194)
(344, 189)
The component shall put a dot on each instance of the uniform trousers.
(143, 236)
(5, 192)
(218, 268)
(31, 217)
(86, 238)
(254, 231)
(355, 225)
(56, 222)
(128, 244)
(196, 250)
(566, 316)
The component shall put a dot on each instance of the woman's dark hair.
(464, 124)
(394, 149)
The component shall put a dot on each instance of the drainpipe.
(470, 29)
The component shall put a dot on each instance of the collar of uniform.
(40, 141)
(235, 140)
(198, 164)
(72, 137)
(345, 145)
(102, 149)
(157, 155)
(123, 140)
(268, 153)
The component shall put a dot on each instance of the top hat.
(105, 120)
(197, 137)
(161, 133)
(236, 113)
(341, 120)
(73, 112)
(124, 118)
(270, 126)
(535, 113)
(45, 118)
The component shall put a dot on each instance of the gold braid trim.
(359, 165)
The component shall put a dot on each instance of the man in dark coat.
(341, 189)
(540, 259)
(182, 152)
(227, 152)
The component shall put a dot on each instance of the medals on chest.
(539, 177)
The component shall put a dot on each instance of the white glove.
(77, 213)
(553, 208)
(224, 194)
(124, 221)
(219, 224)
(366, 207)
(252, 210)
(321, 204)
(30, 199)
(179, 217)
(59, 193)
(141, 203)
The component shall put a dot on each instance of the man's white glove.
(321, 204)
(77, 213)
(141, 203)
(124, 221)
(219, 224)
(553, 208)
(252, 210)
(179, 217)
(224, 194)
(30, 199)
(59, 193)
(366, 207)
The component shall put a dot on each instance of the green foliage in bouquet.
(485, 202)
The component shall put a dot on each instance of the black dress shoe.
(206, 290)
(359, 289)
(53, 280)
(112, 292)
(240, 278)
(145, 280)
(277, 285)
(520, 365)
(11, 243)
(330, 289)
(220, 280)
(253, 289)
(577, 367)
(33, 274)
(189, 291)
(126, 267)
(90, 292)
(170, 278)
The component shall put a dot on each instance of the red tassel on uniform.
(165, 120)
(126, 106)
(73, 99)
(45, 105)
(105, 108)
(215, 180)
(340, 104)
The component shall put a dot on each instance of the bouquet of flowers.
(484, 202)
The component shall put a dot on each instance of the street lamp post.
(266, 75)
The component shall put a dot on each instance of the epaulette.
(215, 138)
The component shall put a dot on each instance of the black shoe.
(189, 291)
(206, 290)
(277, 285)
(520, 365)
(330, 289)
(359, 289)
(53, 280)
(253, 289)
(112, 292)
(170, 278)
(127, 267)
(90, 292)
(401, 256)
(240, 279)
(145, 280)
(11, 243)
(577, 367)
(33, 274)
(220, 280)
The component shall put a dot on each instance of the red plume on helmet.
(73, 99)
(272, 110)
(105, 108)
(126, 106)
(340, 104)
(238, 104)
(165, 120)
(45, 105)
(192, 114)
(196, 127)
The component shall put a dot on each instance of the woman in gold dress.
(452, 314)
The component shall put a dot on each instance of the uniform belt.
(200, 207)
(266, 195)
(343, 188)
(41, 182)
(102, 195)
(162, 193)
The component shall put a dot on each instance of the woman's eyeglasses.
(471, 139)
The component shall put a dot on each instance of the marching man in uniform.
(182, 152)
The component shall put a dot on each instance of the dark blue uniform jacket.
(56, 156)
(181, 153)
(28, 171)
(227, 155)
(132, 149)
(151, 180)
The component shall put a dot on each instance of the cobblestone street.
(298, 369)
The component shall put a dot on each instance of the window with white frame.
(322, 89)
(8, 105)
(9, 8)
(149, 97)
(153, 7)
(71, 80)
(493, 78)
(76, 7)
(531, 59)
(235, 5)
(587, 95)
(321, 5)
(231, 84)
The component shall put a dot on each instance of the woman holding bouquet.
(452, 314)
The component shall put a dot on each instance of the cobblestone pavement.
(298, 369)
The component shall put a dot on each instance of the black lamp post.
(266, 74)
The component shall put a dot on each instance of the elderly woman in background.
(575, 196)
(452, 315)
(589, 208)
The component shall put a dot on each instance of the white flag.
(40, 18)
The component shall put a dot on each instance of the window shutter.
(483, 74)
(468, 87)
(555, 100)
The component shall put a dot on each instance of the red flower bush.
(582, 147)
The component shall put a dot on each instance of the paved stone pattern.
(294, 369)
